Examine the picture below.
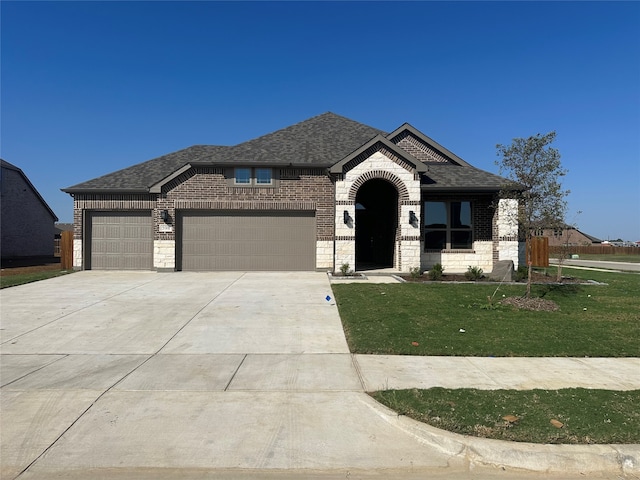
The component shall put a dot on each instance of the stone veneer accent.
(164, 254)
(507, 231)
(379, 164)
(77, 253)
(324, 255)
(458, 261)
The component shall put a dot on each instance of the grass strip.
(459, 319)
(22, 278)
(608, 257)
(583, 416)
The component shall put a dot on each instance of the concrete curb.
(531, 457)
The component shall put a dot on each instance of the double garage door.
(207, 240)
(247, 241)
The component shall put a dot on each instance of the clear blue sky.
(91, 87)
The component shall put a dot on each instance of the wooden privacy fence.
(66, 250)
(539, 252)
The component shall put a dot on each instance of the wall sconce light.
(412, 217)
(164, 215)
(346, 217)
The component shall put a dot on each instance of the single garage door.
(121, 241)
(250, 241)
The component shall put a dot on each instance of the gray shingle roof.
(140, 177)
(320, 141)
(444, 177)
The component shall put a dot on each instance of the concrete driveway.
(187, 375)
(143, 374)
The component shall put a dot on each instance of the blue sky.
(88, 88)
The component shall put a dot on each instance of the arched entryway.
(376, 224)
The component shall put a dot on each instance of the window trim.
(448, 229)
(235, 176)
(257, 178)
(253, 177)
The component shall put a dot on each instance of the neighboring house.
(27, 221)
(568, 236)
(313, 196)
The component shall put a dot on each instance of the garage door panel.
(248, 241)
(121, 241)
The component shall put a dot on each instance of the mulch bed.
(533, 303)
(536, 278)
(521, 303)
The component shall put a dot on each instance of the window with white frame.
(245, 176)
(447, 225)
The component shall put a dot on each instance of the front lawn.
(610, 257)
(571, 415)
(467, 320)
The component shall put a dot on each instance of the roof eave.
(73, 191)
(427, 188)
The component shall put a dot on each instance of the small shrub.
(345, 269)
(473, 273)
(435, 273)
(414, 272)
(521, 273)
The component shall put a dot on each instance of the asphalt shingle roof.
(320, 141)
(456, 177)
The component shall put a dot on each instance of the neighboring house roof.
(9, 166)
(590, 237)
(63, 227)
(324, 141)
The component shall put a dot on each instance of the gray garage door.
(252, 241)
(121, 241)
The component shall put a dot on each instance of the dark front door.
(376, 224)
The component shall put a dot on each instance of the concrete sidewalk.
(144, 375)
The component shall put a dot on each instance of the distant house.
(27, 222)
(569, 236)
(317, 195)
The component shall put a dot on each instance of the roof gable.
(10, 166)
(422, 147)
(364, 152)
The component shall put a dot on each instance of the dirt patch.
(535, 304)
(5, 272)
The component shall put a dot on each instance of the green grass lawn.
(586, 416)
(609, 257)
(593, 320)
(22, 278)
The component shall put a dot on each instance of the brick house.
(27, 221)
(568, 236)
(312, 196)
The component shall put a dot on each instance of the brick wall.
(27, 225)
(294, 189)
